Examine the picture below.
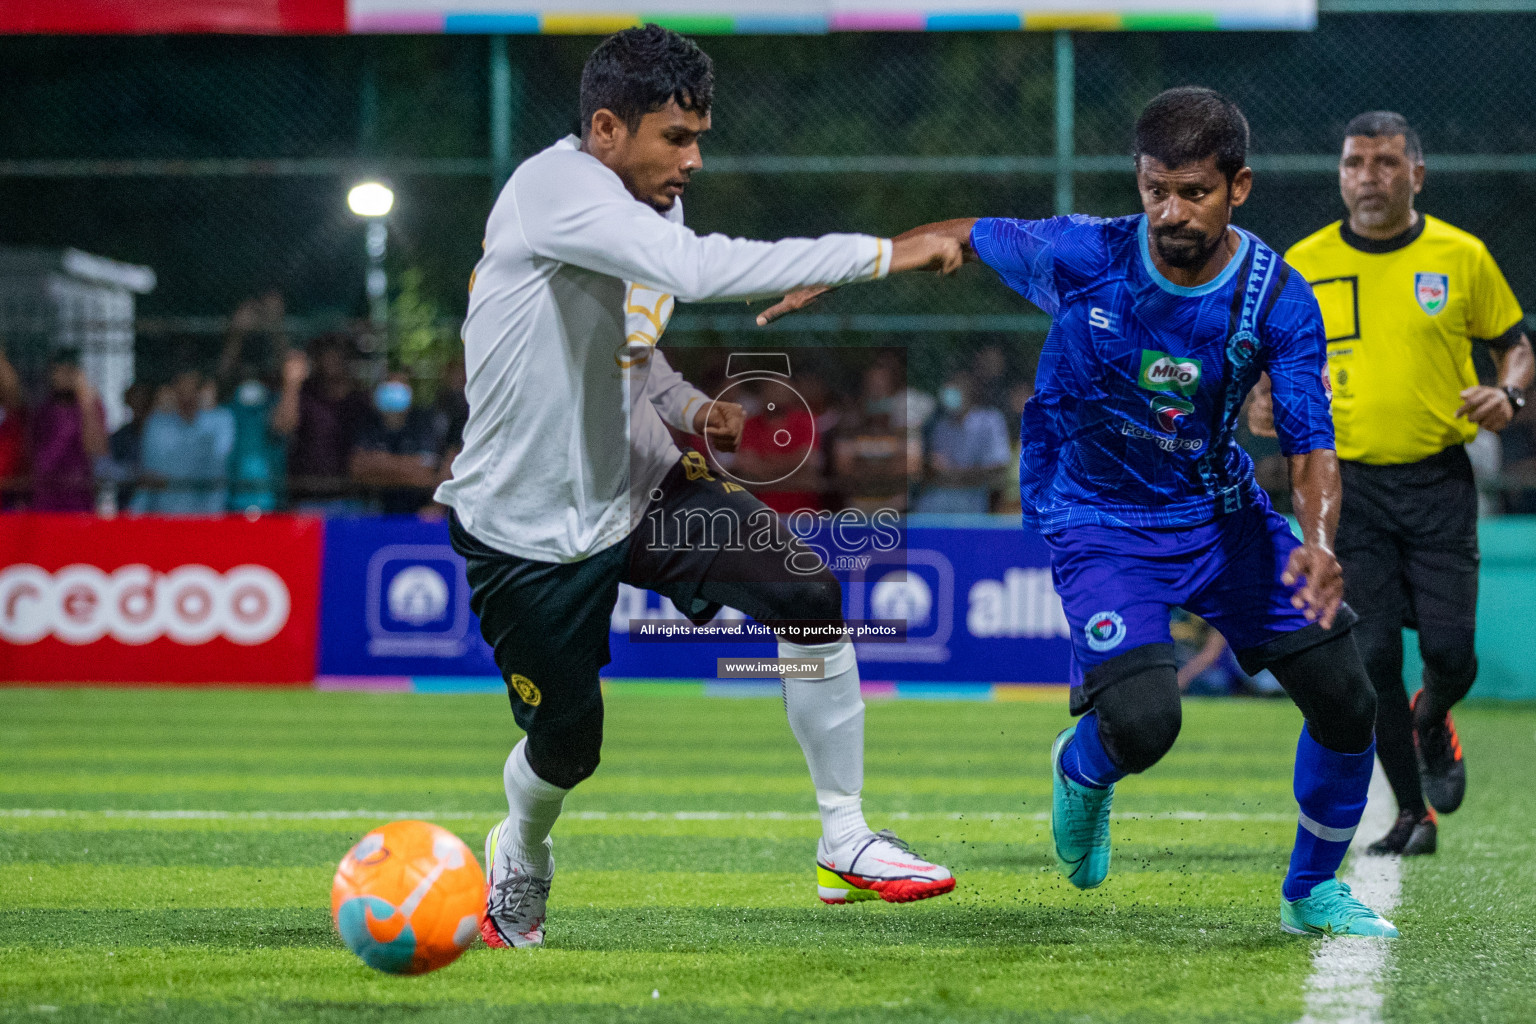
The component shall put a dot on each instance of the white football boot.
(877, 866)
(515, 899)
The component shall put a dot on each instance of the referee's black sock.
(1394, 746)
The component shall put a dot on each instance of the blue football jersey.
(1141, 381)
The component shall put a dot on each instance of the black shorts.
(548, 622)
(1407, 541)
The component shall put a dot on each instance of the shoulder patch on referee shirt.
(1431, 290)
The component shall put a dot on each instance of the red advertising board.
(158, 600)
(130, 17)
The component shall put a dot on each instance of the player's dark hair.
(638, 70)
(1185, 125)
(1383, 124)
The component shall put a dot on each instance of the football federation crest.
(1104, 631)
(1431, 290)
(1162, 372)
(1168, 412)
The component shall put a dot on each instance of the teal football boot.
(1332, 909)
(1079, 822)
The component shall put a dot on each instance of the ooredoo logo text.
(191, 604)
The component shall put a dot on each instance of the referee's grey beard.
(1186, 250)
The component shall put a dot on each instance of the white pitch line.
(1345, 986)
(368, 815)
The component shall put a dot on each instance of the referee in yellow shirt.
(1404, 297)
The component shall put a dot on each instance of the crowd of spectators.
(266, 426)
(269, 425)
(886, 443)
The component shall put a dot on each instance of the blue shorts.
(1119, 584)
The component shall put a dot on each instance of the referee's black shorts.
(698, 544)
(1407, 542)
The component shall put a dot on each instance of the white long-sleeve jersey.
(568, 394)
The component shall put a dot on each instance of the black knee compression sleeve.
(763, 585)
(817, 598)
(566, 750)
(1329, 685)
(1136, 697)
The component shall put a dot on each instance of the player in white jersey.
(566, 451)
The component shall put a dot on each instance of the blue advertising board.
(975, 592)
(394, 602)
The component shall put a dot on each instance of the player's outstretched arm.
(572, 210)
(925, 247)
(1316, 491)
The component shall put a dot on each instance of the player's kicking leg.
(547, 624)
(826, 715)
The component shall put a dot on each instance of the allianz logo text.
(191, 604)
(1021, 604)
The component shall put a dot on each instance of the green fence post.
(501, 113)
(1066, 100)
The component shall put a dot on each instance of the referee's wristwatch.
(1516, 398)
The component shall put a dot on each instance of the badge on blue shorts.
(1104, 631)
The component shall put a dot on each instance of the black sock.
(1394, 746)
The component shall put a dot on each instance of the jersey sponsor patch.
(1162, 372)
(1168, 412)
(1104, 631)
(1431, 290)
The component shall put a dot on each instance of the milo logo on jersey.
(1162, 372)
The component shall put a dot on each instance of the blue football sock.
(1331, 789)
(1085, 761)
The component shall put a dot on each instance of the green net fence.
(222, 162)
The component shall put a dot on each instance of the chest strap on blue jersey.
(1261, 271)
(1242, 348)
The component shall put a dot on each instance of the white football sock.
(827, 717)
(533, 806)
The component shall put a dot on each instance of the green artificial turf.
(176, 859)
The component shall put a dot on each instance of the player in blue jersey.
(1161, 324)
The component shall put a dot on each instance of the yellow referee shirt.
(1401, 316)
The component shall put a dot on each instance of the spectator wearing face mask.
(254, 358)
(184, 452)
(258, 458)
(967, 448)
(400, 451)
(69, 433)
